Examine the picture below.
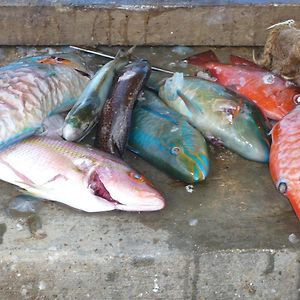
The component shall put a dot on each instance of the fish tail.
(173, 84)
(203, 58)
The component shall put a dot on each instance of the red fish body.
(275, 96)
(285, 157)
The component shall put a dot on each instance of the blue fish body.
(166, 140)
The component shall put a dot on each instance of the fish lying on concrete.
(33, 88)
(85, 113)
(115, 119)
(222, 116)
(271, 93)
(165, 139)
(285, 157)
(81, 177)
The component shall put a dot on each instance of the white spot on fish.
(127, 75)
(289, 83)
(268, 79)
(156, 286)
(218, 70)
(83, 164)
(293, 238)
(242, 81)
(174, 129)
(193, 222)
(189, 188)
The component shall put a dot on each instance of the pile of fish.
(166, 119)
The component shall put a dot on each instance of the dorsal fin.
(203, 58)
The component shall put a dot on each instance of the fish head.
(78, 123)
(288, 98)
(69, 60)
(126, 188)
(187, 154)
(250, 133)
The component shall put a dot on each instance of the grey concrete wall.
(227, 23)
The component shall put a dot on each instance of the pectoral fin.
(189, 104)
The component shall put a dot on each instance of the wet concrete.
(233, 237)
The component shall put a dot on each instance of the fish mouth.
(99, 190)
(151, 202)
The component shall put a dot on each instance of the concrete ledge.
(223, 23)
(61, 274)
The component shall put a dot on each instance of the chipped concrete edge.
(231, 25)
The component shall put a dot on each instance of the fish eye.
(296, 99)
(282, 187)
(136, 177)
(175, 150)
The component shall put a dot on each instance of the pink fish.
(78, 176)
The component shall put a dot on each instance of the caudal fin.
(203, 58)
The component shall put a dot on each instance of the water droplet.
(193, 222)
(189, 188)
(293, 238)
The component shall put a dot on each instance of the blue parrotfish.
(166, 140)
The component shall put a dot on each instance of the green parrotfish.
(222, 116)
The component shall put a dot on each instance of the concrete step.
(141, 22)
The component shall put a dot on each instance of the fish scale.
(30, 91)
(285, 157)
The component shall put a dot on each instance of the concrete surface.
(141, 22)
(233, 237)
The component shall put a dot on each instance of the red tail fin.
(240, 61)
(202, 58)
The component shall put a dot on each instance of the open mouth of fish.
(98, 188)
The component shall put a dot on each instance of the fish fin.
(173, 84)
(274, 130)
(240, 61)
(189, 105)
(203, 58)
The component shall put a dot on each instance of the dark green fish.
(166, 140)
(85, 113)
(115, 118)
(222, 116)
